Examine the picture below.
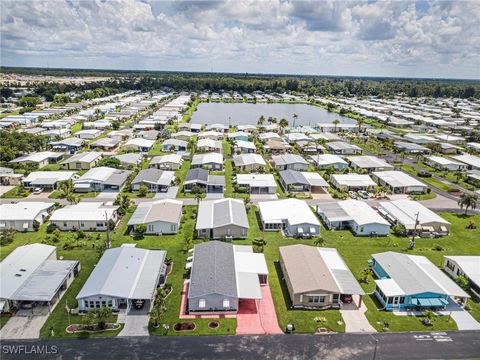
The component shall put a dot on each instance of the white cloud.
(381, 38)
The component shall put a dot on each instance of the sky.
(430, 39)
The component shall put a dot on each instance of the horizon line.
(241, 73)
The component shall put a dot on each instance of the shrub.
(139, 231)
(399, 230)
(7, 236)
(142, 191)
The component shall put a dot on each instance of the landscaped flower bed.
(213, 324)
(79, 328)
(184, 326)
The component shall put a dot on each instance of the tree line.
(311, 85)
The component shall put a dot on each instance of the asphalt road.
(415, 345)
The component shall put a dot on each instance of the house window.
(85, 303)
(151, 227)
(109, 303)
(82, 224)
(174, 227)
(97, 304)
(226, 303)
(104, 303)
(321, 299)
(92, 304)
(335, 298)
(202, 303)
(314, 299)
(100, 224)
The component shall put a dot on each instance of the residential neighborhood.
(240, 180)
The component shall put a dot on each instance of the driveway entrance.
(258, 316)
(354, 317)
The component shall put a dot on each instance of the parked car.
(352, 194)
(363, 194)
(37, 190)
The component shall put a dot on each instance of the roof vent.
(19, 275)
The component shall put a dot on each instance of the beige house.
(317, 277)
(81, 161)
(222, 218)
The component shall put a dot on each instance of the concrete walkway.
(356, 321)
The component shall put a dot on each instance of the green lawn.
(430, 180)
(355, 251)
(51, 167)
(76, 127)
(426, 196)
(16, 193)
(58, 194)
(181, 175)
(156, 150)
(5, 114)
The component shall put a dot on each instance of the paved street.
(417, 345)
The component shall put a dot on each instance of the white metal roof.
(443, 161)
(405, 211)
(366, 161)
(471, 160)
(53, 176)
(125, 272)
(470, 265)
(140, 142)
(221, 212)
(353, 179)
(361, 212)
(256, 180)
(294, 211)
(398, 178)
(19, 265)
(248, 265)
(328, 159)
(23, 210)
(389, 287)
(84, 211)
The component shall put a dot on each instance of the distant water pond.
(247, 113)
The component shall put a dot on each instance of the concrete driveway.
(171, 193)
(464, 320)
(23, 327)
(107, 195)
(355, 319)
(136, 323)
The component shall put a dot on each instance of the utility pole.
(412, 243)
(107, 240)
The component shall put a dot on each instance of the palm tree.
(283, 124)
(335, 122)
(468, 201)
(360, 122)
(295, 117)
(261, 121)
(319, 241)
(192, 145)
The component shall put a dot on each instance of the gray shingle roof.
(198, 174)
(293, 177)
(153, 176)
(213, 270)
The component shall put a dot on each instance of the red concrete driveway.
(258, 316)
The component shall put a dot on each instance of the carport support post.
(360, 301)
